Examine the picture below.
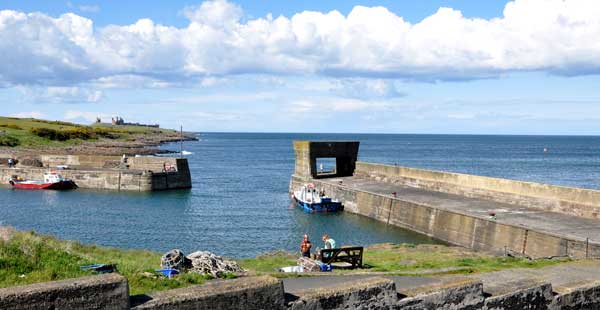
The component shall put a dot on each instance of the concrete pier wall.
(102, 172)
(568, 200)
(456, 224)
(465, 230)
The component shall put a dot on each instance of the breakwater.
(481, 213)
(106, 172)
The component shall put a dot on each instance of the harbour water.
(239, 204)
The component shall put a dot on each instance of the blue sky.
(494, 67)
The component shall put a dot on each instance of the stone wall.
(119, 180)
(243, 293)
(154, 164)
(111, 292)
(373, 293)
(95, 292)
(173, 180)
(568, 200)
(144, 173)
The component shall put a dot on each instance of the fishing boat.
(51, 180)
(311, 201)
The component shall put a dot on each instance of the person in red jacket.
(305, 246)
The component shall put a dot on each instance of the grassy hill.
(31, 133)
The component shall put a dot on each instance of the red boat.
(51, 181)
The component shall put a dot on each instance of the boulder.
(31, 162)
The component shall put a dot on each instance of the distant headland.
(118, 137)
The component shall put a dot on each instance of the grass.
(28, 258)
(407, 259)
(269, 263)
(435, 259)
(7, 140)
(30, 132)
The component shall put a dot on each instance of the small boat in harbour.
(51, 180)
(311, 201)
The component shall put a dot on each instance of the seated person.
(329, 244)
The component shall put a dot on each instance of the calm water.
(239, 206)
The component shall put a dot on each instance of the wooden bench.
(350, 255)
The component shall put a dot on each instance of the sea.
(239, 205)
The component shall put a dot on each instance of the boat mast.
(181, 142)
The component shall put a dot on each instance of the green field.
(29, 132)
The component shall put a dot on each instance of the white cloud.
(125, 81)
(212, 81)
(366, 88)
(555, 36)
(31, 114)
(89, 8)
(62, 94)
(84, 115)
(215, 116)
(332, 104)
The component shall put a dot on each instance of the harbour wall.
(110, 292)
(478, 233)
(568, 200)
(108, 173)
(470, 230)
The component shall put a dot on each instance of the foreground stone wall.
(374, 293)
(243, 293)
(111, 292)
(568, 200)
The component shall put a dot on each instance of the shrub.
(81, 133)
(57, 123)
(11, 126)
(9, 141)
(105, 133)
(49, 133)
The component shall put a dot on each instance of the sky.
(429, 66)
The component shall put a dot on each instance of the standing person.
(11, 163)
(305, 246)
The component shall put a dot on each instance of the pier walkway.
(553, 223)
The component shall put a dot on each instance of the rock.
(204, 262)
(6, 233)
(111, 164)
(149, 275)
(31, 162)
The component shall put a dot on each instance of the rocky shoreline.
(140, 144)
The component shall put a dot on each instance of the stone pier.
(105, 172)
(499, 215)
